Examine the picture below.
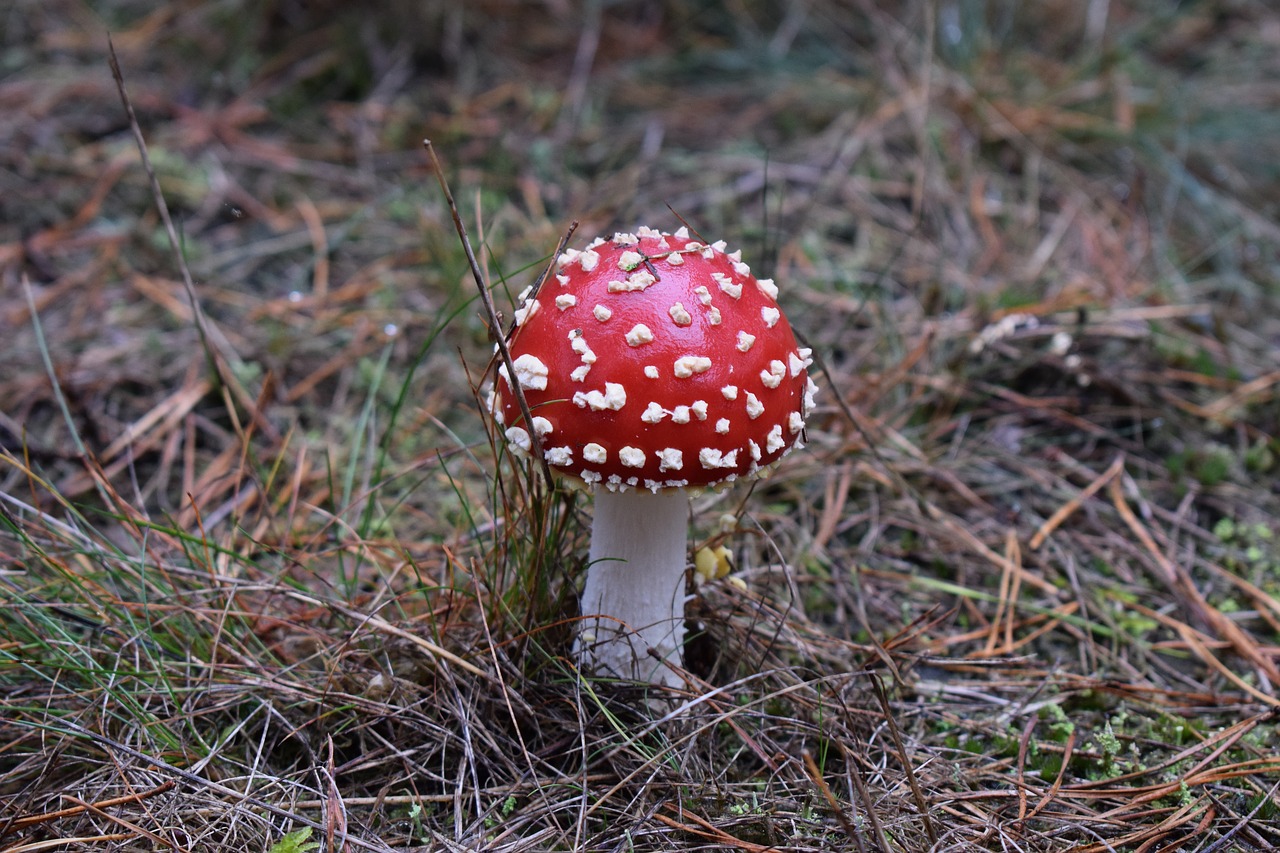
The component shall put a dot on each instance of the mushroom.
(652, 364)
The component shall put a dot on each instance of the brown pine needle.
(1068, 509)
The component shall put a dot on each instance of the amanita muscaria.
(651, 363)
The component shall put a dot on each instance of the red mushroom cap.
(655, 361)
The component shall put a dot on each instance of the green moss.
(1210, 465)
(1260, 458)
(1060, 725)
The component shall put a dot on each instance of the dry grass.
(1021, 591)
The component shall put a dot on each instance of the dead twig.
(491, 314)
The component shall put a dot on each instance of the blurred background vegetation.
(265, 579)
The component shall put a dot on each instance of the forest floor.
(268, 580)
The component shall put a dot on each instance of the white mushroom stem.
(633, 601)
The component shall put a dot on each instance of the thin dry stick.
(29, 820)
(319, 248)
(1020, 788)
(703, 828)
(1050, 795)
(491, 313)
(188, 284)
(56, 843)
(921, 803)
(1263, 802)
(1192, 638)
(823, 788)
(1013, 552)
(334, 813)
(197, 312)
(868, 806)
(1220, 409)
(1240, 642)
(216, 347)
(1066, 510)
(546, 273)
(1140, 840)
(1005, 599)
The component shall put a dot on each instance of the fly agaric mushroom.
(651, 363)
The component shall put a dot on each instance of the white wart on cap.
(654, 361)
